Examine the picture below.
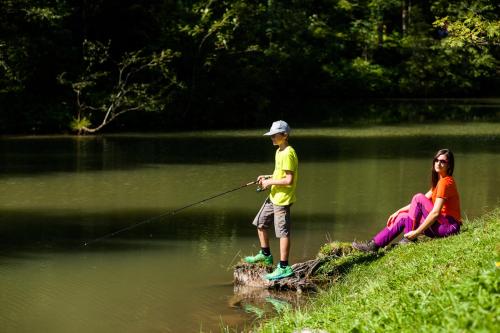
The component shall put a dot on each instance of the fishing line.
(114, 233)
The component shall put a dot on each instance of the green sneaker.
(260, 257)
(280, 273)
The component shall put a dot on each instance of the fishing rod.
(135, 225)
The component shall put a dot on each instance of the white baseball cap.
(279, 126)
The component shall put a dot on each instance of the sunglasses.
(442, 162)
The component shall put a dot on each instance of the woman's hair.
(450, 165)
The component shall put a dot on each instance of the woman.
(435, 214)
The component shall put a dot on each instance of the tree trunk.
(403, 18)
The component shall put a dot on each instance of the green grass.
(377, 131)
(444, 285)
(460, 129)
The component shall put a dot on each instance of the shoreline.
(457, 128)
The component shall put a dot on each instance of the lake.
(174, 272)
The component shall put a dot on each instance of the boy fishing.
(276, 207)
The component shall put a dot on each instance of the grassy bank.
(444, 285)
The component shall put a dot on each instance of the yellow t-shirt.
(284, 160)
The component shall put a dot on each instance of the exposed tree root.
(333, 259)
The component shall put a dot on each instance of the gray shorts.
(269, 214)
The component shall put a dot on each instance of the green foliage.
(22, 24)
(78, 125)
(10, 80)
(470, 23)
(44, 14)
(465, 54)
(205, 58)
(443, 285)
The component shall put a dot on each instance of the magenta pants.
(420, 207)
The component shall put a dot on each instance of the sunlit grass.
(464, 129)
(445, 285)
(376, 131)
(458, 129)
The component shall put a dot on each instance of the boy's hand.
(265, 183)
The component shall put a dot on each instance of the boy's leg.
(263, 237)
(262, 221)
(284, 248)
(282, 229)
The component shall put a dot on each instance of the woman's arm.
(433, 215)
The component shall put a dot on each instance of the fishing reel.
(259, 189)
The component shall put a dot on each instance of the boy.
(276, 208)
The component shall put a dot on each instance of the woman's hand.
(412, 234)
(392, 218)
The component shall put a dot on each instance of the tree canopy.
(78, 65)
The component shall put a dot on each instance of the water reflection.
(68, 154)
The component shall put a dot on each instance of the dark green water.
(175, 274)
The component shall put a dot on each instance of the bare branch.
(127, 92)
(107, 121)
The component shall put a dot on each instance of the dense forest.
(87, 66)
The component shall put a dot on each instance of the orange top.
(447, 189)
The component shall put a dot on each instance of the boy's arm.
(287, 180)
(263, 177)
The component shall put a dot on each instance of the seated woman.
(435, 214)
